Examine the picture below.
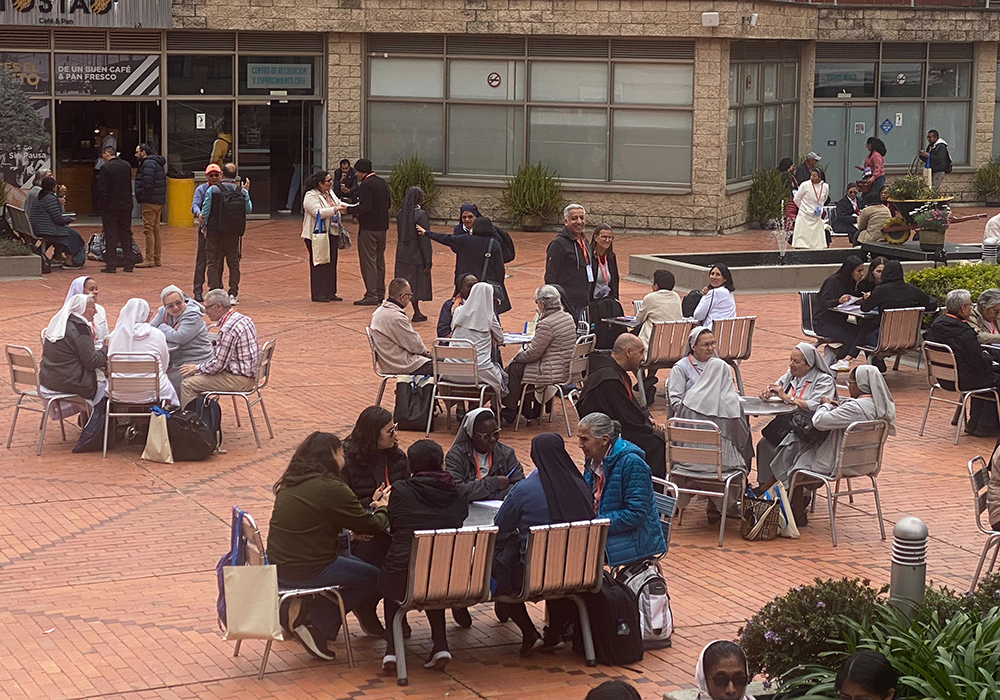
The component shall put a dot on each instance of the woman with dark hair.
(883, 196)
(605, 303)
(874, 166)
(429, 500)
(554, 493)
(872, 278)
(717, 297)
(721, 673)
(787, 169)
(413, 251)
(867, 674)
(49, 223)
(312, 504)
(837, 289)
(462, 291)
(321, 214)
(613, 690)
(471, 256)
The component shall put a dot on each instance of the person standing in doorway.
(937, 157)
(372, 213)
(151, 194)
(114, 184)
(213, 176)
(225, 212)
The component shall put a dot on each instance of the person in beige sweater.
(983, 318)
(662, 304)
(399, 348)
(872, 218)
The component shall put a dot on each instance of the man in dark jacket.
(567, 260)
(845, 219)
(608, 389)
(151, 194)
(811, 161)
(939, 157)
(372, 213)
(114, 186)
(345, 182)
(975, 368)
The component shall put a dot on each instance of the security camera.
(753, 19)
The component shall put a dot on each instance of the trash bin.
(180, 192)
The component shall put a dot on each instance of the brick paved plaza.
(107, 581)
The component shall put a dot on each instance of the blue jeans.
(359, 586)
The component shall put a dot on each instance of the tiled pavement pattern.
(107, 585)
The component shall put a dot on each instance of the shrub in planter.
(767, 192)
(531, 195)
(796, 628)
(987, 181)
(12, 248)
(407, 173)
(938, 281)
(911, 188)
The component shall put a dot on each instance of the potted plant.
(987, 182)
(531, 195)
(766, 197)
(911, 194)
(407, 173)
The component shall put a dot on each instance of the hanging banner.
(30, 70)
(18, 168)
(107, 74)
(153, 14)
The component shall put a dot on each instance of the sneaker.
(233, 301)
(437, 660)
(841, 366)
(289, 211)
(146, 263)
(389, 664)
(529, 646)
(462, 617)
(314, 642)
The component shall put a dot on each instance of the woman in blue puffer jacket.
(623, 490)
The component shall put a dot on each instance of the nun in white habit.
(88, 286)
(133, 334)
(476, 321)
(807, 380)
(684, 374)
(713, 397)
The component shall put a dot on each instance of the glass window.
(734, 83)
(786, 132)
(948, 79)
(654, 84)
(748, 143)
(789, 81)
(30, 70)
(260, 75)
(485, 139)
(902, 80)
(769, 137)
(731, 133)
(651, 146)
(906, 136)
(570, 140)
(494, 79)
(770, 82)
(398, 130)
(199, 75)
(191, 131)
(751, 83)
(832, 79)
(407, 77)
(563, 81)
(951, 119)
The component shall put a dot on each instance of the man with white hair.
(181, 322)
(233, 365)
(974, 365)
(568, 260)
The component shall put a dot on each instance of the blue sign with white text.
(886, 126)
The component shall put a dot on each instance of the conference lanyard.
(489, 461)
(602, 265)
(802, 391)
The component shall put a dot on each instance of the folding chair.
(456, 377)
(574, 375)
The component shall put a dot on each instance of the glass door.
(253, 153)
(839, 135)
(312, 138)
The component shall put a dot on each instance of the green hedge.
(938, 281)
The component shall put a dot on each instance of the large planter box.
(20, 267)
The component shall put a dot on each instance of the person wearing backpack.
(937, 156)
(225, 224)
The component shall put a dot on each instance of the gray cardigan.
(187, 335)
(460, 463)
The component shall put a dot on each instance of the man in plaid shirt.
(233, 365)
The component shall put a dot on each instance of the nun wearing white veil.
(476, 321)
(721, 673)
(88, 286)
(70, 355)
(133, 334)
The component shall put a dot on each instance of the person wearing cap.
(802, 172)
(372, 214)
(213, 176)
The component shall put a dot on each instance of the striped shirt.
(235, 348)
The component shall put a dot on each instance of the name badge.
(590, 273)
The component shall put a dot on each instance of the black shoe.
(437, 660)
(879, 364)
(407, 631)
(370, 624)
(109, 270)
(462, 617)
(335, 298)
(530, 645)
(200, 299)
(367, 302)
(314, 642)
(508, 416)
(500, 612)
(321, 299)
(127, 269)
(419, 318)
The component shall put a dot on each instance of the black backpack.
(506, 245)
(232, 212)
(190, 439)
(209, 412)
(614, 623)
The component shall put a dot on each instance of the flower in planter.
(932, 217)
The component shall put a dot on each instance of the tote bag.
(320, 243)
(251, 602)
(158, 439)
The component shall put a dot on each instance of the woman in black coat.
(49, 223)
(413, 251)
(428, 500)
(836, 289)
(470, 254)
(605, 303)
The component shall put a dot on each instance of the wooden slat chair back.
(898, 333)
(980, 471)
(734, 339)
(668, 343)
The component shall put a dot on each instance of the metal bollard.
(907, 582)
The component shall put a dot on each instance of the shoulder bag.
(498, 292)
(320, 243)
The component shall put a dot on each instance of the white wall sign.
(199, 120)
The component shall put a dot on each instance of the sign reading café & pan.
(115, 75)
(154, 14)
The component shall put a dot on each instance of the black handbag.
(805, 431)
(775, 431)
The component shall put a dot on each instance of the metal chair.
(734, 337)
(261, 379)
(898, 333)
(666, 504)
(699, 442)
(456, 377)
(20, 223)
(807, 303)
(256, 556)
(574, 375)
(668, 343)
(980, 480)
(133, 382)
(448, 569)
(25, 383)
(375, 368)
(943, 372)
(860, 454)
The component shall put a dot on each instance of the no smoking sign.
(493, 80)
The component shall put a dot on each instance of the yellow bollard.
(180, 192)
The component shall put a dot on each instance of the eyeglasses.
(707, 345)
(174, 305)
(721, 680)
(328, 180)
(486, 436)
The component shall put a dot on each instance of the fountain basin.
(754, 272)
